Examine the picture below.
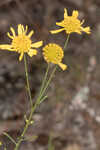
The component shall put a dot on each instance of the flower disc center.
(71, 24)
(53, 53)
(21, 43)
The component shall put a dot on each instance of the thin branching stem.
(33, 108)
(43, 83)
(6, 134)
(27, 80)
(41, 96)
(49, 80)
(66, 42)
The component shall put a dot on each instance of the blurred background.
(71, 114)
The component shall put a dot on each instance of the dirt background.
(71, 114)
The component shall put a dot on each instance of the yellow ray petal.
(32, 52)
(26, 28)
(56, 31)
(60, 23)
(62, 66)
(10, 36)
(65, 13)
(78, 31)
(86, 29)
(75, 14)
(31, 33)
(20, 30)
(13, 32)
(6, 47)
(37, 44)
(82, 22)
(21, 56)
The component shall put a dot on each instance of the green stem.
(66, 42)
(27, 80)
(33, 108)
(43, 98)
(9, 137)
(27, 125)
(44, 81)
(50, 144)
(48, 82)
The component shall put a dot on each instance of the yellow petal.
(78, 31)
(75, 14)
(6, 47)
(31, 33)
(63, 66)
(10, 35)
(37, 44)
(86, 29)
(21, 56)
(20, 30)
(65, 13)
(32, 52)
(82, 22)
(56, 31)
(13, 32)
(62, 24)
(26, 28)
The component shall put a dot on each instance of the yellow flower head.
(71, 24)
(22, 43)
(53, 53)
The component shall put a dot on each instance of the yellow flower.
(71, 24)
(53, 53)
(22, 43)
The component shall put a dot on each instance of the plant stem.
(50, 143)
(9, 137)
(66, 42)
(44, 81)
(49, 80)
(27, 125)
(27, 80)
(33, 108)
